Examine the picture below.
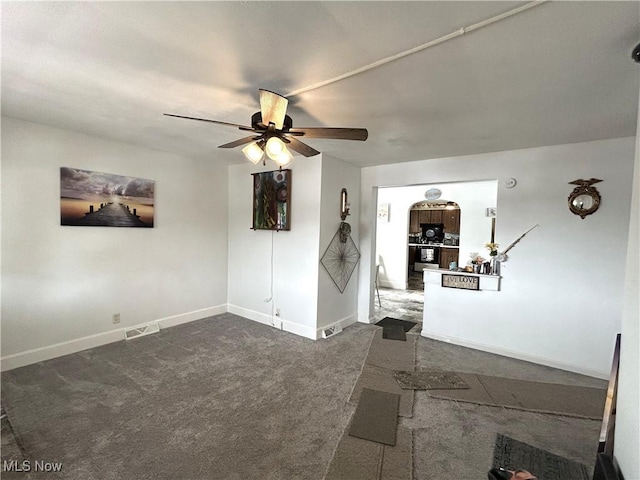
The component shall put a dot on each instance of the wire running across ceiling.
(457, 33)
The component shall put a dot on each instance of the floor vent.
(141, 331)
(331, 331)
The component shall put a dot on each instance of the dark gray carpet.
(223, 398)
(383, 358)
(377, 378)
(526, 395)
(12, 447)
(358, 459)
(376, 417)
(426, 380)
(392, 355)
(395, 322)
(513, 455)
(229, 399)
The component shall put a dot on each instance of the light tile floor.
(401, 304)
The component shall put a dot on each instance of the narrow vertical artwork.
(383, 212)
(272, 200)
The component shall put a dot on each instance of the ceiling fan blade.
(273, 108)
(239, 142)
(335, 133)
(241, 127)
(302, 148)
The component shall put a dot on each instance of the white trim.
(275, 322)
(394, 284)
(259, 317)
(364, 318)
(299, 329)
(181, 318)
(519, 355)
(343, 323)
(40, 354)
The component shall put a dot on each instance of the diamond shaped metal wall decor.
(340, 259)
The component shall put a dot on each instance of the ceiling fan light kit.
(273, 132)
(282, 159)
(253, 152)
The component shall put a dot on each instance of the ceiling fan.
(273, 131)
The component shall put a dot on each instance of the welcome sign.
(465, 282)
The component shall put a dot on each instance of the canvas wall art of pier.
(95, 199)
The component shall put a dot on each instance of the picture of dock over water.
(95, 199)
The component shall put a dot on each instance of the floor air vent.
(331, 331)
(136, 332)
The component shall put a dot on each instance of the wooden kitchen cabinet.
(451, 220)
(414, 221)
(425, 216)
(436, 216)
(412, 257)
(448, 255)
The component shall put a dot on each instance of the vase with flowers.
(493, 253)
(476, 261)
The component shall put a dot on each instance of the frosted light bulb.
(274, 147)
(253, 152)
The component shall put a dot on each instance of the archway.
(433, 238)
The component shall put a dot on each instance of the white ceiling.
(560, 72)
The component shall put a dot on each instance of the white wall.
(302, 290)
(61, 285)
(627, 435)
(334, 306)
(295, 252)
(391, 240)
(561, 294)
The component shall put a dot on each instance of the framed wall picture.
(272, 200)
(383, 212)
(95, 199)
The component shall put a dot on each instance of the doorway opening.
(398, 237)
(433, 239)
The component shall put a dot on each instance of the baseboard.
(28, 357)
(365, 318)
(343, 322)
(519, 356)
(174, 320)
(275, 322)
(395, 284)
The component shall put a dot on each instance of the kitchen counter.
(432, 276)
(463, 316)
(439, 245)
